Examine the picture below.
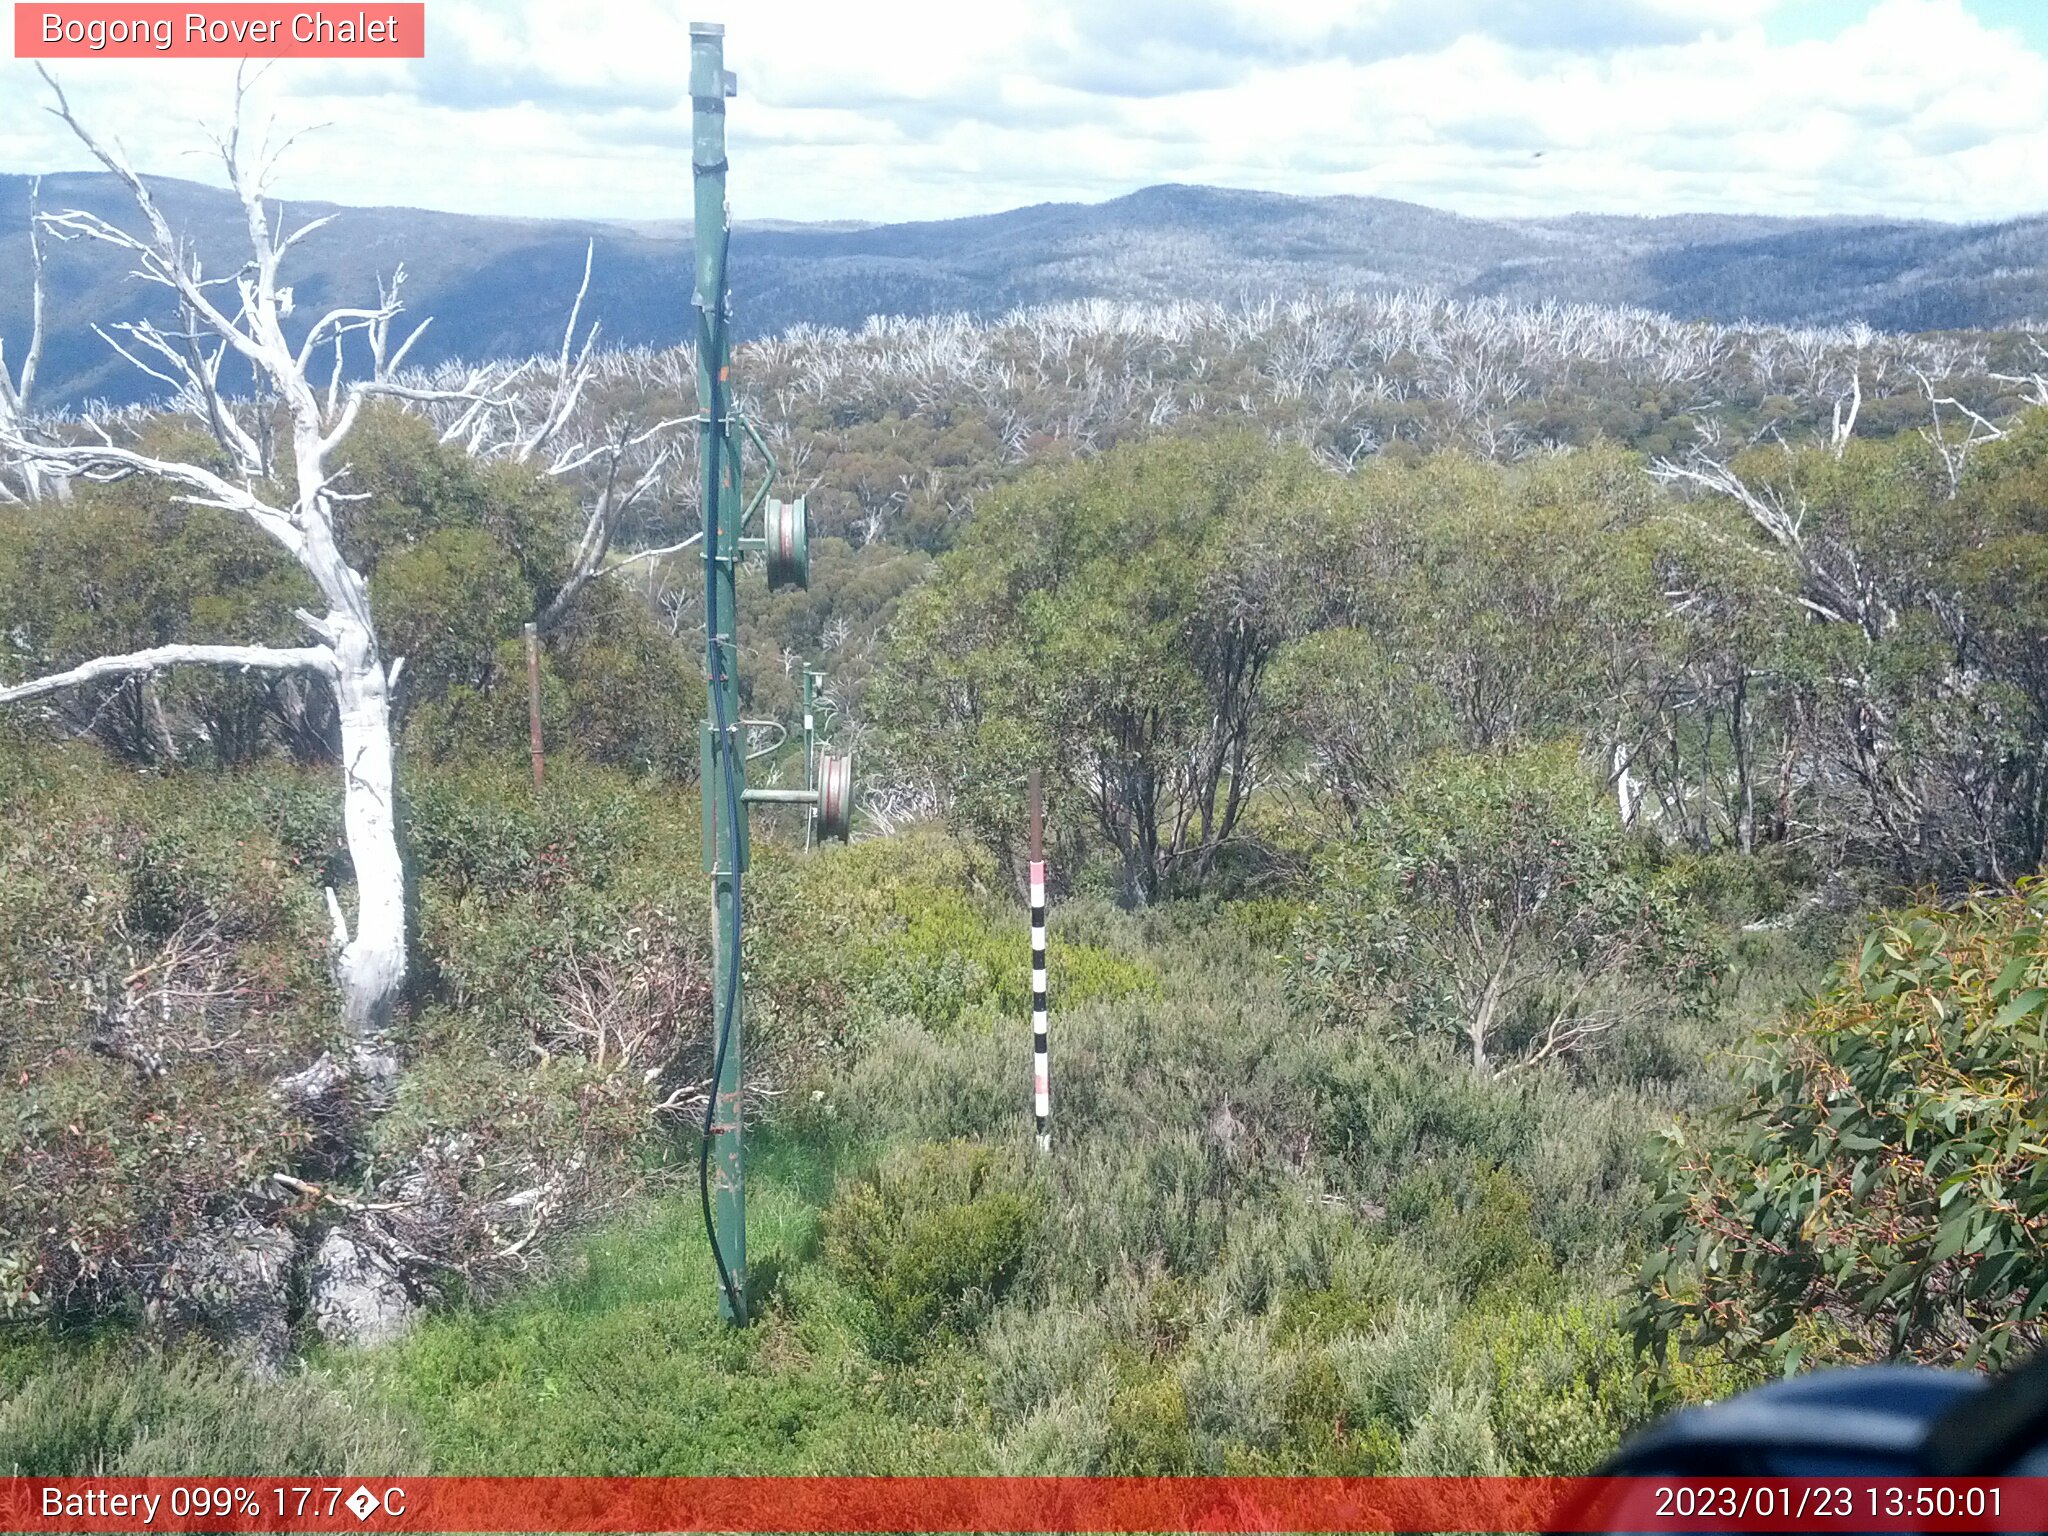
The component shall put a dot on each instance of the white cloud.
(928, 108)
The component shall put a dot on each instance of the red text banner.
(1054, 1504)
(233, 31)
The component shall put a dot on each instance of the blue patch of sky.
(1805, 20)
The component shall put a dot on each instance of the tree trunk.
(1624, 785)
(1745, 772)
(372, 962)
(1137, 883)
(1480, 1028)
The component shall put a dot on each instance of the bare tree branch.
(1955, 455)
(596, 542)
(1766, 508)
(655, 554)
(16, 393)
(258, 658)
(105, 461)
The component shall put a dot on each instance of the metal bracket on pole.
(768, 475)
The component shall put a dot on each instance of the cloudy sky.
(911, 109)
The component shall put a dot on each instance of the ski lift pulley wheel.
(787, 534)
(835, 796)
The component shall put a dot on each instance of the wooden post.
(1041, 1065)
(533, 699)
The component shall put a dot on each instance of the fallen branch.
(319, 1192)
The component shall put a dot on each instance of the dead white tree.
(1954, 451)
(619, 486)
(1833, 585)
(2033, 382)
(615, 466)
(1848, 406)
(243, 315)
(15, 391)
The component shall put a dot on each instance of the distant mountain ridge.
(502, 286)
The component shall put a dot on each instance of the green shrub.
(1323, 1440)
(931, 1240)
(1498, 901)
(1037, 1352)
(162, 962)
(1356, 1300)
(935, 953)
(303, 811)
(1148, 1433)
(1564, 1382)
(1879, 1187)
(1393, 1373)
(1454, 1437)
(484, 829)
(1233, 1383)
(1173, 1312)
(1282, 1246)
(542, 915)
(1067, 1437)
(1267, 922)
(1150, 1202)
(116, 1410)
(1483, 1240)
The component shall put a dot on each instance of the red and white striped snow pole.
(1041, 1066)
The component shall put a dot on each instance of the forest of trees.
(1544, 805)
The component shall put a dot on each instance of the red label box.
(377, 30)
(393, 1506)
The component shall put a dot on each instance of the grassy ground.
(617, 1364)
(1262, 1245)
(621, 1365)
